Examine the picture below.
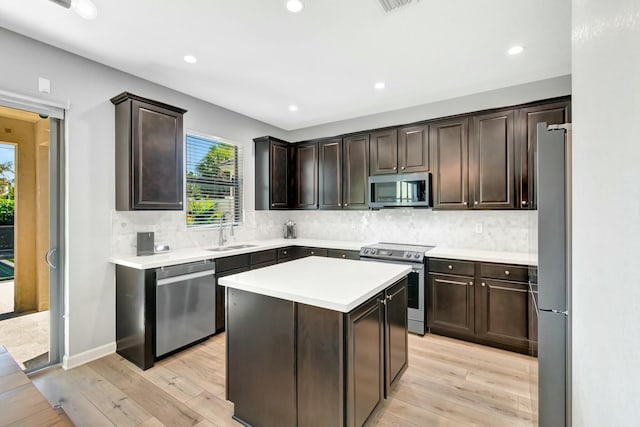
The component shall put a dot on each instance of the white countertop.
(181, 256)
(332, 283)
(518, 258)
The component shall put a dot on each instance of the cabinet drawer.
(263, 256)
(448, 266)
(284, 254)
(335, 253)
(232, 263)
(302, 252)
(516, 273)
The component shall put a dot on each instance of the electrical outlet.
(479, 228)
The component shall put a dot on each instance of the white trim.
(51, 107)
(70, 362)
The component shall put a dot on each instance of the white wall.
(90, 167)
(606, 212)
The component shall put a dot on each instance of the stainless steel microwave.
(401, 190)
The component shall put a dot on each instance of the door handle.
(48, 255)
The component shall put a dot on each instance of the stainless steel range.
(413, 255)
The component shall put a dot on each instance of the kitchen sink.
(241, 246)
(230, 248)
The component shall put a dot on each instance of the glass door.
(32, 223)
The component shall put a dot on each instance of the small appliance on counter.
(145, 244)
(289, 230)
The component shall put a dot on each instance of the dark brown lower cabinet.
(451, 304)
(493, 307)
(504, 313)
(396, 326)
(365, 360)
(324, 368)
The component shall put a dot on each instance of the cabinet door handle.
(402, 168)
(524, 203)
(284, 252)
(180, 203)
(313, 253)
(475, 203)
(383, 301)
(506, 272)
(395, 168)
(339, 204)
(450, 267)
(344, 255)
(389, 297)
(273, 204)
(470, 283)
(346, 204)
(483, 284)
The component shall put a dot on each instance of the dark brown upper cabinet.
(306, 175)
(450, 147)
(273, 176)
(330, 174)
(383, 152)
(491, 166)
(149, 159)
(402, 150)
(355, 172)
(526, 141)
(413, 149)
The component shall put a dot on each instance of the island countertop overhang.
(331, 283)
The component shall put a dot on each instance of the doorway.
(30, 290)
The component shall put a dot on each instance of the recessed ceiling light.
(293, 108)
(190, 59)
(84, 8)
(294, 6)
(515, 50)
(379, 85)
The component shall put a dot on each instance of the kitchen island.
(316, 341)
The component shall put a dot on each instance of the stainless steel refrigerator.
(554, 274)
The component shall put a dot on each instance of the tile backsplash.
(486, 230)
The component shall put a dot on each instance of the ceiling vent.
(389, 5)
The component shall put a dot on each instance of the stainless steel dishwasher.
(185, 305)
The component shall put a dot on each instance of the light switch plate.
(44, 85)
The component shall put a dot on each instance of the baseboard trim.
(70, 362)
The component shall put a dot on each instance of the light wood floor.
(448, 383)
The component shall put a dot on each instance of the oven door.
(416, 289)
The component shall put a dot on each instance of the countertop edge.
(229, 281)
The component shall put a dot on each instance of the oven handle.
(415, 267)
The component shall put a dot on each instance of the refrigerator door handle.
(546, 310)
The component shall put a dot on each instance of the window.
(214, 181)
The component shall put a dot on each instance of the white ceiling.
(256, 58)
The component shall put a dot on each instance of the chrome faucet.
(221, 239)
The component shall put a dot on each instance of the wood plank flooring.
(448, 383)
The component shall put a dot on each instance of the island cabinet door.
(365, 360)
(396, 345)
